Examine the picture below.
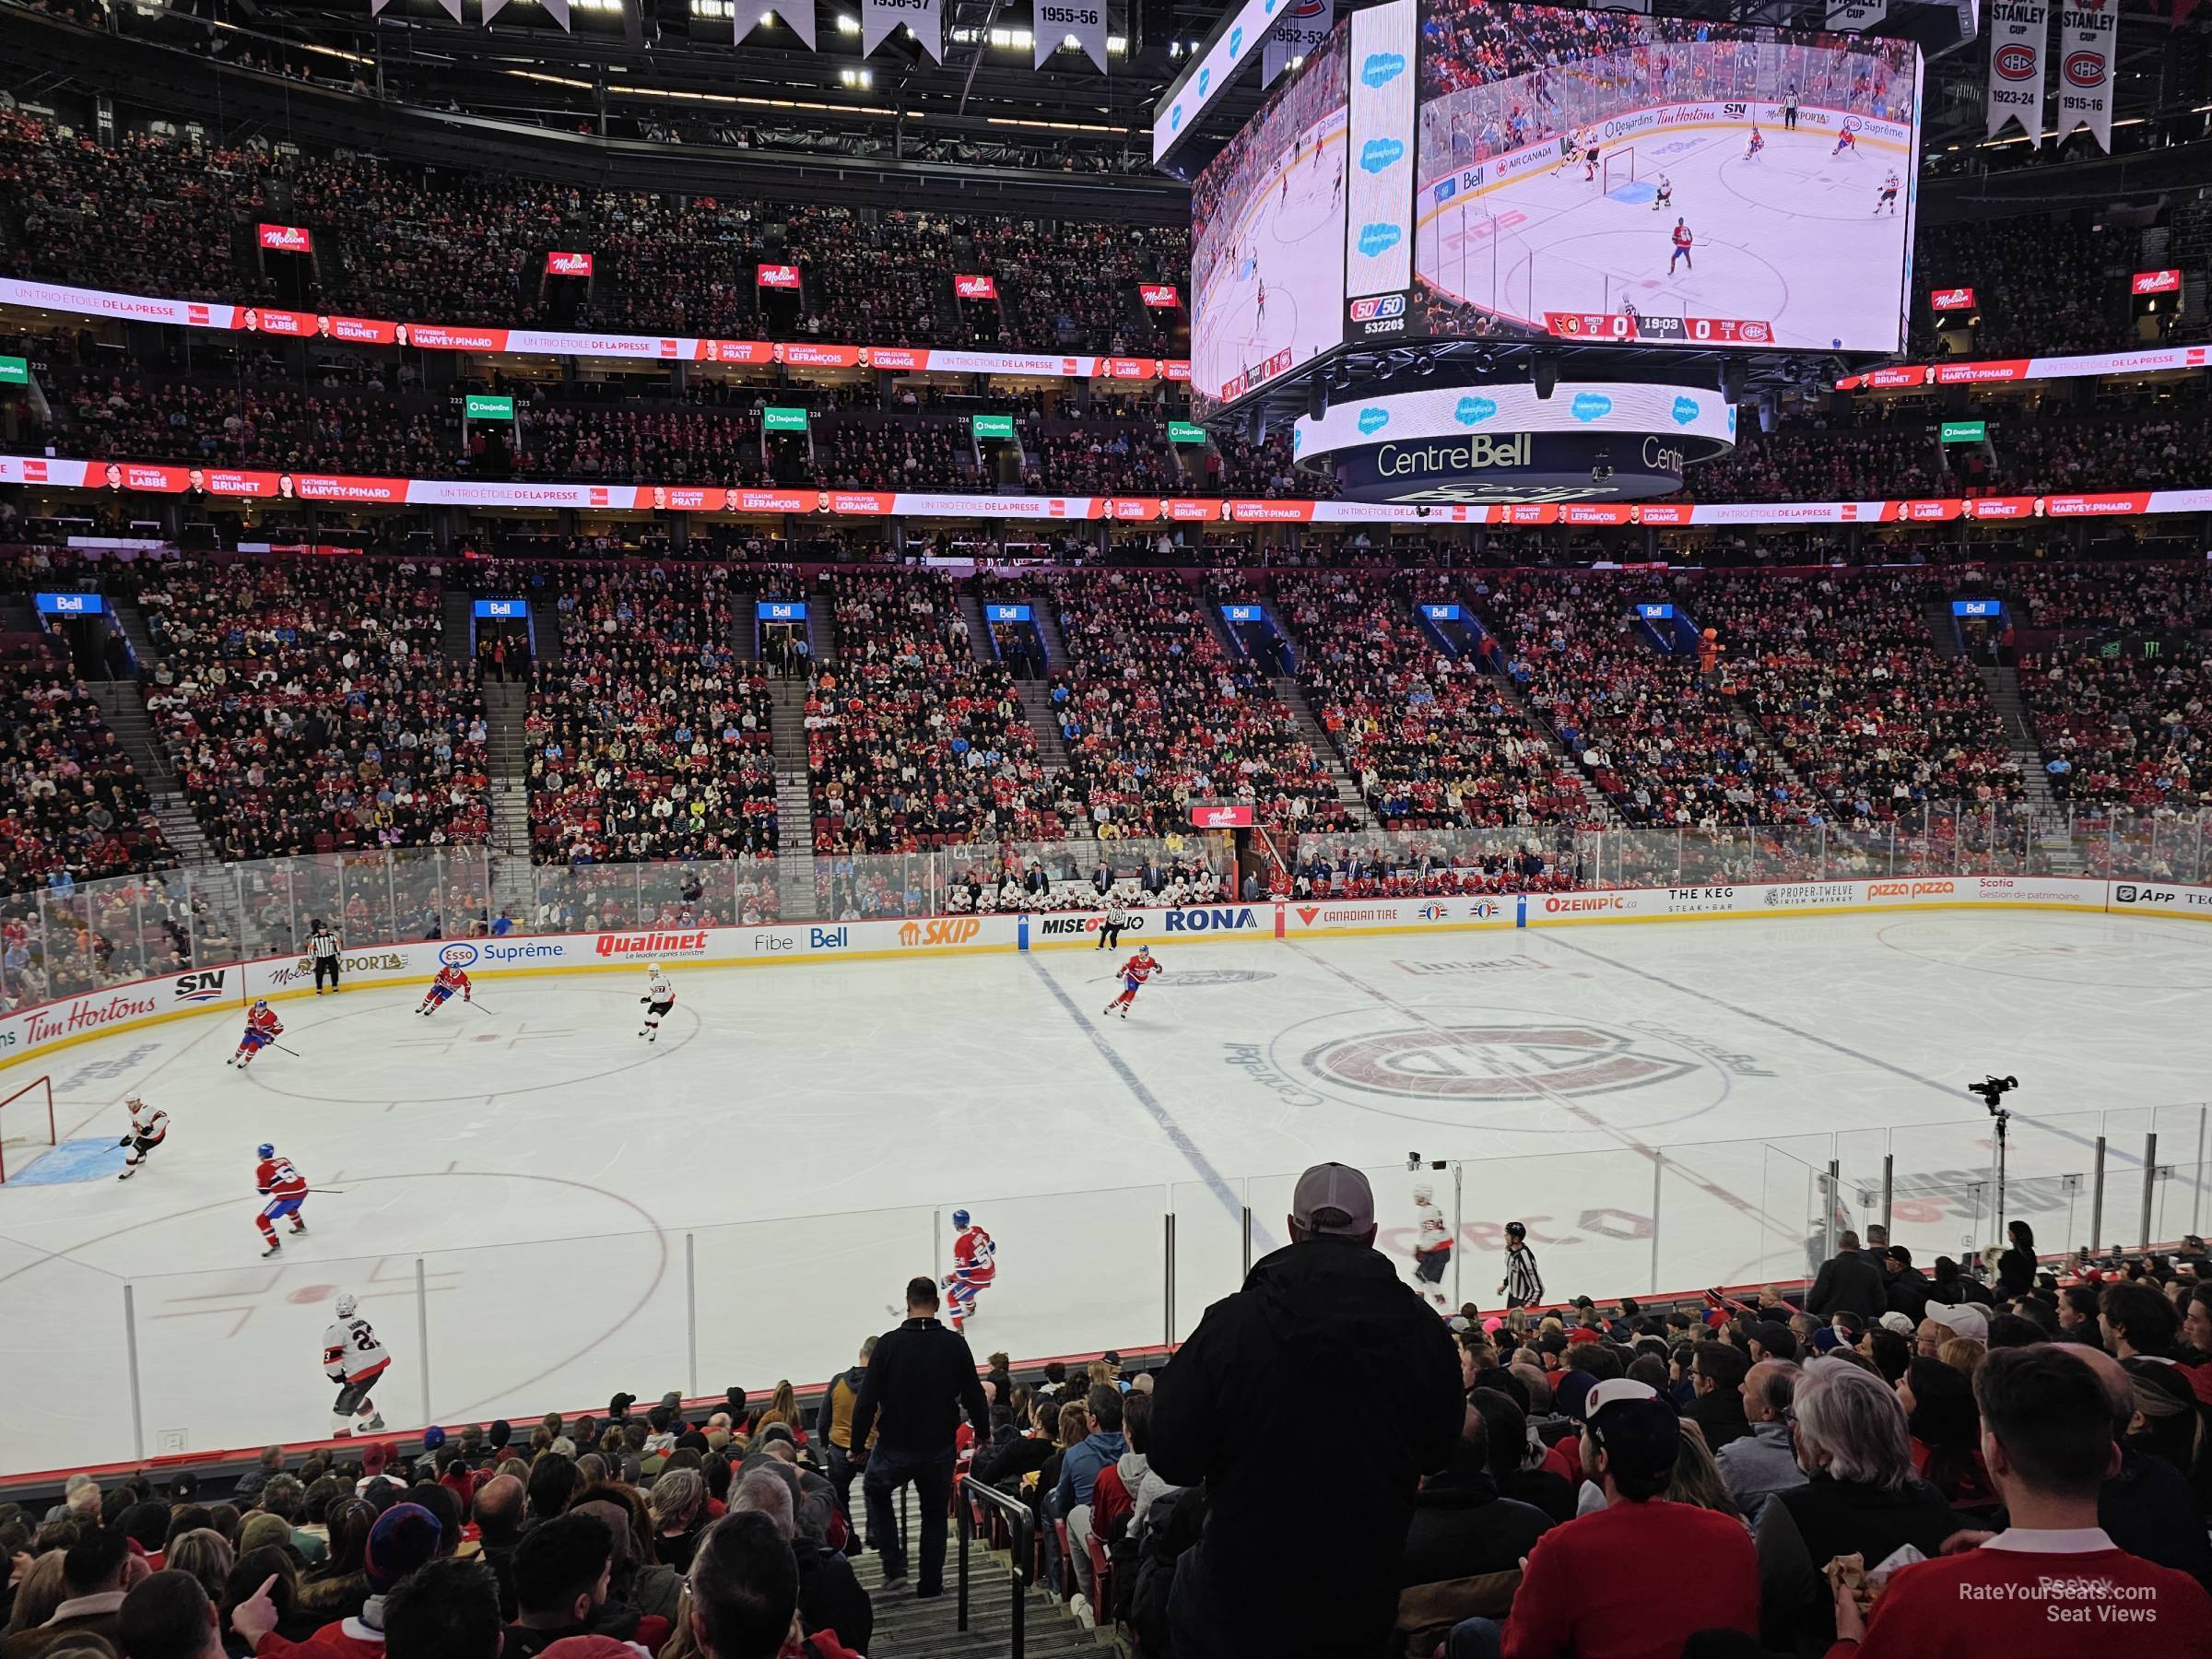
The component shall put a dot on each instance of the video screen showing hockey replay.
(1267, 238)
(1601, 175)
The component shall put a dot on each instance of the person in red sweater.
(1636, 1579)
(405, 1536)
(2053, 1584)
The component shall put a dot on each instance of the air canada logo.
(1492, 1063)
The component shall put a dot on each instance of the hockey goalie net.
(26, 1125)
(1620, 167)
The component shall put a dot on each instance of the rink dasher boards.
(844, 1114)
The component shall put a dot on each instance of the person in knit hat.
(405, 1536)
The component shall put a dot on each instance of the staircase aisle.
(1325, 750)
(794, 807)
(124, 707)
(505, 705)
(909, 1627)
(979, 632)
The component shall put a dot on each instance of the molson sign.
(568, 264)
(287, 239)
(1951, 299)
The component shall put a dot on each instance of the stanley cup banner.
(2018, 31)
(794, 15)
(1057, 22)
(2087, 31)
(1299, 28)
(925, 17)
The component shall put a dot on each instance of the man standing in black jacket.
(1848, 1282)
(920, 1379)
(1290, 1561)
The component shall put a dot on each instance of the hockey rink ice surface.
(1792, 237)
(783, 1157)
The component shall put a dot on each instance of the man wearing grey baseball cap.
(1323, 1332)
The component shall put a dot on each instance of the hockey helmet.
(1143, 949)
(959, 1219)
(1514, 1229)
(260, 1003)
(346, 1304)
(134, 1101)
(1423, 1193)
(264, 1150)
(654, 969)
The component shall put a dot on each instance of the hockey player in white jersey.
(149, 1127)
(354, 1359)
(1432, 1245)
(660, 996)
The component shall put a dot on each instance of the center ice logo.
(1380, 154)
(1372, 421)
(1589, 406)
(1383, 67)
(1474, 411)
(1685, 410)
(1378, 238)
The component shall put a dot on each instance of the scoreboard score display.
(1447, 170)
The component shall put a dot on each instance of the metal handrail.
(1025, 1555)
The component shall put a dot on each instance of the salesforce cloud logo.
(1474, 411)
(1589, 406)
(1297, 439)
(1175, 119)
(1380, 154)
(1379, 239)
(1382, 68)
(1372, 421)
(1205, 79)
(1685, 410)
(1236, 42)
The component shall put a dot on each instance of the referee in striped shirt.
(323, 950)
(1523, 1286)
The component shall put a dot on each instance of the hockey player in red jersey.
(450, 979)
(286, 1190)
(1135, 973)
(974, 1266)
(263, 1027)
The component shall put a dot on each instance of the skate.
(298, 1227)
(272, 1250)
(1124, 1013)
(128, 1171)
(375, 1423)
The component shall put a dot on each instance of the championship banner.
(925, 19)
(1856, 17)
(2018, 31)
(1301, 29)
(558, 11)
(1057, 22)
(2089, 33)
(794, 15)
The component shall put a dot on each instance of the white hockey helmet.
(654, 969)
(134, 1101)
(346, 1304)
(1423, 1193)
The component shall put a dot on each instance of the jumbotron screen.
(1602, 175)
(1267, 238)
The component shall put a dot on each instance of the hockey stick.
(295, 1054)
(337, 1191)
(474, 1004)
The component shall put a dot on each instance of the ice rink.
(537, 1209)
(1795, 237)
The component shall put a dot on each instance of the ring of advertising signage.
(1600, 440)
